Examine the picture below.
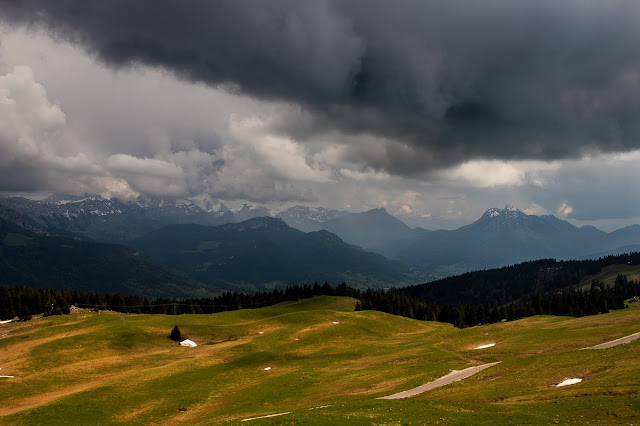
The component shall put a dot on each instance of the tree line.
(596, 299)
(501, 286)
(549, 285)
(22, 301)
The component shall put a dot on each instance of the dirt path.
(616, 342)
(454, 376)
(265, 417)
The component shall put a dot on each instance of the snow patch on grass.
(485, 346)
(568, 382)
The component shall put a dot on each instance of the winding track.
(616, 342)
(454, 376)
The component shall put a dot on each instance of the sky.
(434, 110)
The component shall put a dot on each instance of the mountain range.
(508, 236)
(94, 217)
(499, 237)
(263, 252)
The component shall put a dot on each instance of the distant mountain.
(374, 230)
(263, 252)
(93, 217)
(309, 219)
(113, 220)
(627, 236)
(508, 236)
(27, 258)
(499, 237)
(247, 212)
(21, 220)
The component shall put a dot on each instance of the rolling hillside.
(315, 361)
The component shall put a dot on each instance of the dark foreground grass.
(109, 368)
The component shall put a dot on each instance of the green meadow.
(99, 368)
(608, 275)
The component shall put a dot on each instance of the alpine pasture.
(328, 365)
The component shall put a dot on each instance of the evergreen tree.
(25, 314)
(176, 336)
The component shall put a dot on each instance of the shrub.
(175, 334)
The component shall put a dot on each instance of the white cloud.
(565, 209)
(34, 145)
(364, 175)
(536, 209)
(128, 164)
(285, 158)
(483, 174)
(494, 173)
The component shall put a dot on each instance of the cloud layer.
(439, 82)
(435, 110)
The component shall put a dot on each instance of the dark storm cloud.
(443, 81)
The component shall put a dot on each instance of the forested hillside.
(262, 252)
(65, 263)
(507, 284)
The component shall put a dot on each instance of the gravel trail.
(454, 376)
(616, 342)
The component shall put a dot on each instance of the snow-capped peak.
(61, 199)
(495, 212)
(204, 202)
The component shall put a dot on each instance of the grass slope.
(608, 275)
(108, 367)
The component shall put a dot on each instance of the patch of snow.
(494, 213)
(568, 382)
(188, 343)
(6, 321)
(7, 377)
(335, 322)
(485, 346)
(296, 338)
(267, 368)
(262, 332)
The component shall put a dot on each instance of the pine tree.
(176, 336)
(25, 314)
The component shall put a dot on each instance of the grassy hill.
(105, 367)
(608, 274)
